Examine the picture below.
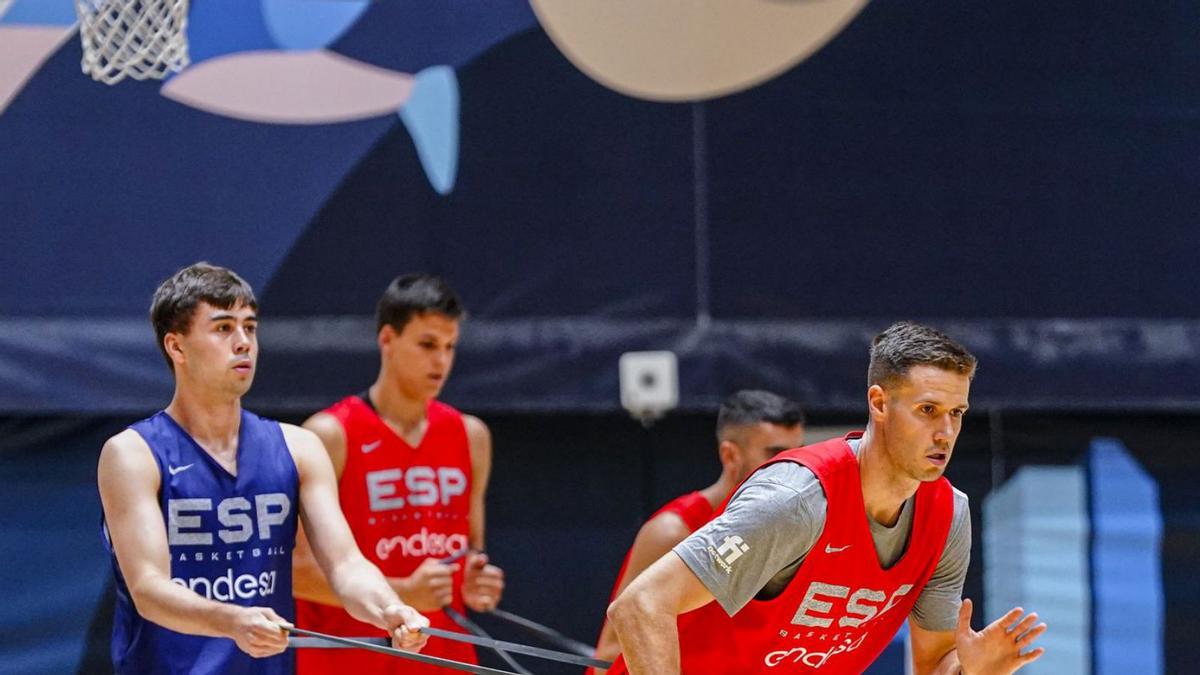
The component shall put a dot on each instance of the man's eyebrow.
(223, 316)
(934, 401)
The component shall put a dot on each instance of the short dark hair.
(751, 406)
(177, 298)
(414, 294)
(907, 344)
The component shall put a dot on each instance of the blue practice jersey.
(231, 540)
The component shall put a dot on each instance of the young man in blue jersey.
(201, 503)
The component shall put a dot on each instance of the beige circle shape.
(688, 50)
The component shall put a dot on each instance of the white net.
(4, 6)
(142, 39)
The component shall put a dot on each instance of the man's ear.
(877, 402)
(729, 453)
(173, 346)
(385, 336)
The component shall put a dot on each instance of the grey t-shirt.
(779, 512)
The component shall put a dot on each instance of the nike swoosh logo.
(368, 447)
(176, 469)
(830, 549)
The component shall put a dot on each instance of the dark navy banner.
(570, 364)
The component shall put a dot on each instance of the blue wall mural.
(965, 166)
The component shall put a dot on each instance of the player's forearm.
(648, 634)
(363, 590)
(172, 606)
(475, 527)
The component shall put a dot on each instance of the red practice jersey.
(695, 511)
(841, 609)
(404, 505)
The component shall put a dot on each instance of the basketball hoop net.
(142, 39)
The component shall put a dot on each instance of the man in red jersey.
(412, 476)
(752, 427)
(820, 555)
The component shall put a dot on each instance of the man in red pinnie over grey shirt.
(819, 557)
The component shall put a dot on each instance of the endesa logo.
(228, 587)
(422, 544)
(810, 657)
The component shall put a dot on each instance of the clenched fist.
(404, 624)
(483, 584)
(258, 631)
(429, 588)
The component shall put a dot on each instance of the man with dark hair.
(822, 553)
(752, 427)
(413, 475)
(201, 503)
